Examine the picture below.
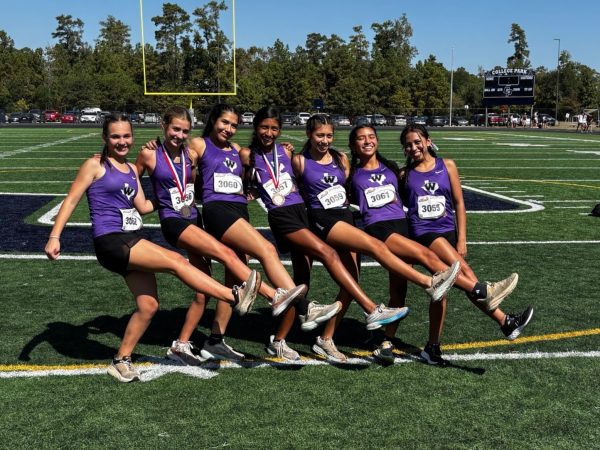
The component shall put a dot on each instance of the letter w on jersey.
(430, 186)
(329, 179)
(231, 165)
(378, 178)
(127, 191)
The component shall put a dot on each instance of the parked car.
(301, 118)
(28, 118)
(52, 115)
(137, 117)
(378, 120)
(419, 120)
(362, 120)
(458, 121)
(14, 117)
(247, 118)
(496, 120)
(91, 109)
(547, 119)
(37, 113)
(478, 120)
(287, 118)
(89, 117)
(151, 118)
(340, 120)
(69, 117)
(438, 121)
(396, 120)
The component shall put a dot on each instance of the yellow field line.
(504, 342)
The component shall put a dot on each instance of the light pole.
(557, 77)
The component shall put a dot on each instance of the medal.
(181, 185)
(278, 199)
(186, 211)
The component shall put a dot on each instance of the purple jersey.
(323, 184)
(110, 199)
(221, 172)
(376, 192)
(165, 189)
(286, 192)
(430, 206)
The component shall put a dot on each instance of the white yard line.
(45, 145)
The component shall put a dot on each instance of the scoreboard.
(508, 87)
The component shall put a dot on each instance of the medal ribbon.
(171, 166)
(274, 170)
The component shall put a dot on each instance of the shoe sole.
(311, 325)
(115, 373)
(296, 292)
(495, 302)
(386, 359)
(517, 331)
(378, 324)
(175, 357)
(319, 351)
(207, 355)
(244, 306)
(443, 289)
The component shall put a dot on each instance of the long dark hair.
(315, 122)
(355, 160)
(108, 121)
(214, 114)
(266, 112)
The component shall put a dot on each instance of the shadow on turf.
(77, 342)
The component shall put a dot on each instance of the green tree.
(519, 59)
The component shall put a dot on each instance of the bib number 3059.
(431, 206)
(333, 197)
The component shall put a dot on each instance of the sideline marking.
(45, 145)
(209, 370)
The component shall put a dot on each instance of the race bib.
(284, 188)
(176, 199)
(132, 221)
(333, 197)
(431, 206)
(227, 183)
(380, 195)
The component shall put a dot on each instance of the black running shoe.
(514, 323)
(432, 354)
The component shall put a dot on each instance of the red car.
(52, 116)
(68, 117)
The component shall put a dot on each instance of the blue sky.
(476, 30)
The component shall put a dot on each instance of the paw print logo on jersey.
(127, 191)
(378, 178)
(231, 165)
(430, 186)
(329, 179)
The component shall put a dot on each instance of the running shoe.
(382, 315)
(327, 349)
(284, 298)
(317, 313)
(514, 323)
(185, 353)
(281, 350)
(220, 351)
(123, 370)
(441, 282)
(432, 354)
(245, 294)
(498, 291)
(385, 352)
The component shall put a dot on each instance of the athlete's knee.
(327, 254)
(268, 252)
(147, 306)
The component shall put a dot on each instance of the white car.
(247, 118)
(151, 118)
(89, 117)
(302, 118)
